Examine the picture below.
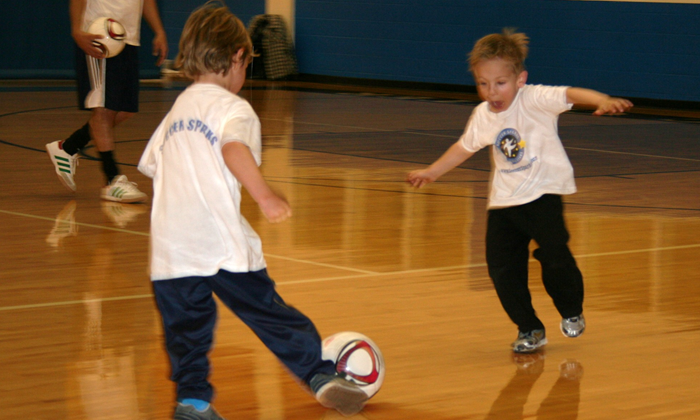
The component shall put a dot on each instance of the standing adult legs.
(102, 123)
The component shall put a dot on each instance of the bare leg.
(102, 123)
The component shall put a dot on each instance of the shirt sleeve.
(549, 98)
(148, 164)
(240, 129)
(470, 138)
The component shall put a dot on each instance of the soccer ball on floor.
(113, 34)
(357, 358)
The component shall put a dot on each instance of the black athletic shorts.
(115, 87)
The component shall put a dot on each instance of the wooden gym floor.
(80, 336)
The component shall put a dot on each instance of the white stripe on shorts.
(97, 71)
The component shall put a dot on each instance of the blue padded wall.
(36, 43)
(175, 14)
(644, 50)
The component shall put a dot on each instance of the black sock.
(79, 139)
(109, 166)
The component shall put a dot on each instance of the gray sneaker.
(529, 342)
(188, 412)
(333, 391)
(571, 370)
(573, 327)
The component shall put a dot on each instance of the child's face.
(497, 83)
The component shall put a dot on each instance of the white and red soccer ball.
(113, 34)
(357, 358)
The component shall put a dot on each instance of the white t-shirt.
(126, 12)
(196, 222)
(528, 158)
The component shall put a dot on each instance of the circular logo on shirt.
(509, 143)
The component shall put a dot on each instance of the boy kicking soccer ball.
(206, 148)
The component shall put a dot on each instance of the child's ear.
(239, 55)
(238, 58)
(522, 78)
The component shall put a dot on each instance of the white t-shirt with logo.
(528, 158)
(126, 12)
(196, 222)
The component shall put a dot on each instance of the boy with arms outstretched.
(208, 145)
(530, 173)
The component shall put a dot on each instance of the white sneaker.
(64, 163)
(64, 225)
(122, 190)
(122, 214)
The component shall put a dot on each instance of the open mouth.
(497, 105)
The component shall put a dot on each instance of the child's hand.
(276, 208)
(420, 177)
(613, 106)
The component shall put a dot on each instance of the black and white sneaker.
(333, 391)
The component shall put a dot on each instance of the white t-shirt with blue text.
(196, 222)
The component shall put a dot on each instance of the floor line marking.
(321, 264)
(631, 154)
(53, 219)
(73, 302)
(148, 234)
(422, 133)
(352, 276)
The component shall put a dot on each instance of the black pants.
(189, 316)
(508, 235)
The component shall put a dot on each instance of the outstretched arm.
(239, 160)
(604, 104)
(453, 157)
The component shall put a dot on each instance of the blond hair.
(210, 40)
(508, 45)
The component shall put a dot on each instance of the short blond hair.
(508, 45)
(210, 40)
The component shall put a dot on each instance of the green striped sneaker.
(64, 163)
(122, 190)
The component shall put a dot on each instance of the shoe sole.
(346, 400)
(55, 165)
(124, 200)
(567, 334)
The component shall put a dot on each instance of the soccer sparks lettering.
(193, 125)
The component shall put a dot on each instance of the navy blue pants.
(189, 316)
(508, 235)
